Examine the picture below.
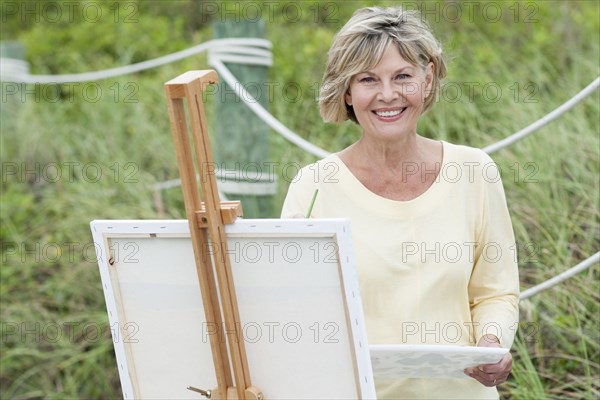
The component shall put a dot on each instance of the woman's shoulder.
(472, 164)
(460, 152)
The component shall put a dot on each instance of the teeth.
(388, 113)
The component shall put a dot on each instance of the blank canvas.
(298, 298)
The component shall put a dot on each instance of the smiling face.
(388, 99)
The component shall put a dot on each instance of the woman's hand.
(491, 374)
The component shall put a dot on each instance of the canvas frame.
(107, 233)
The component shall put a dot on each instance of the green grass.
(551, 179)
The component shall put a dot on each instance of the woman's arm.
(494, 283)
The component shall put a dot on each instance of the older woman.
(432, 234)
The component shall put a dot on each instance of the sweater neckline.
(359, 193)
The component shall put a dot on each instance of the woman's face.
(388, 99)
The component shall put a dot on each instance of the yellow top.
(438, 269)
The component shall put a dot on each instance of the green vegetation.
(71, 155)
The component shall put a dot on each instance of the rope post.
(242, 146)
(12, 59)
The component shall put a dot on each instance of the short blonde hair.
(361, 44)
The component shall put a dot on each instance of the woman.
(432, 234)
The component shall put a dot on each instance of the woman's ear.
(429, 79)
(348, 97)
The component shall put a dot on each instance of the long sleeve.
(494, 284)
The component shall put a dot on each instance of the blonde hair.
(361, 44)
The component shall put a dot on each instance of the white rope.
(241, 55)
(582, 266)
(12, 75)
(589, 89)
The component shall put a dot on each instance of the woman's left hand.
(491, 374)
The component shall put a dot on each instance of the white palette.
(412, 361)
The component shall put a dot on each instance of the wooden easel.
(207, 228)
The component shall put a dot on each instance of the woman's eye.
(402, 76)
(367, 79)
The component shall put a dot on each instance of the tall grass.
(55, 334)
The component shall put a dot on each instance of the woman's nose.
(388, 92)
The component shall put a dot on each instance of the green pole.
(12, 49)
(11, 91)
(241, 138)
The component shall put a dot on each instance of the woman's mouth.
(389, 115)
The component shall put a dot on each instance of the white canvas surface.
(298, 298)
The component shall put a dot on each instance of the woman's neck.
(376, 155)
